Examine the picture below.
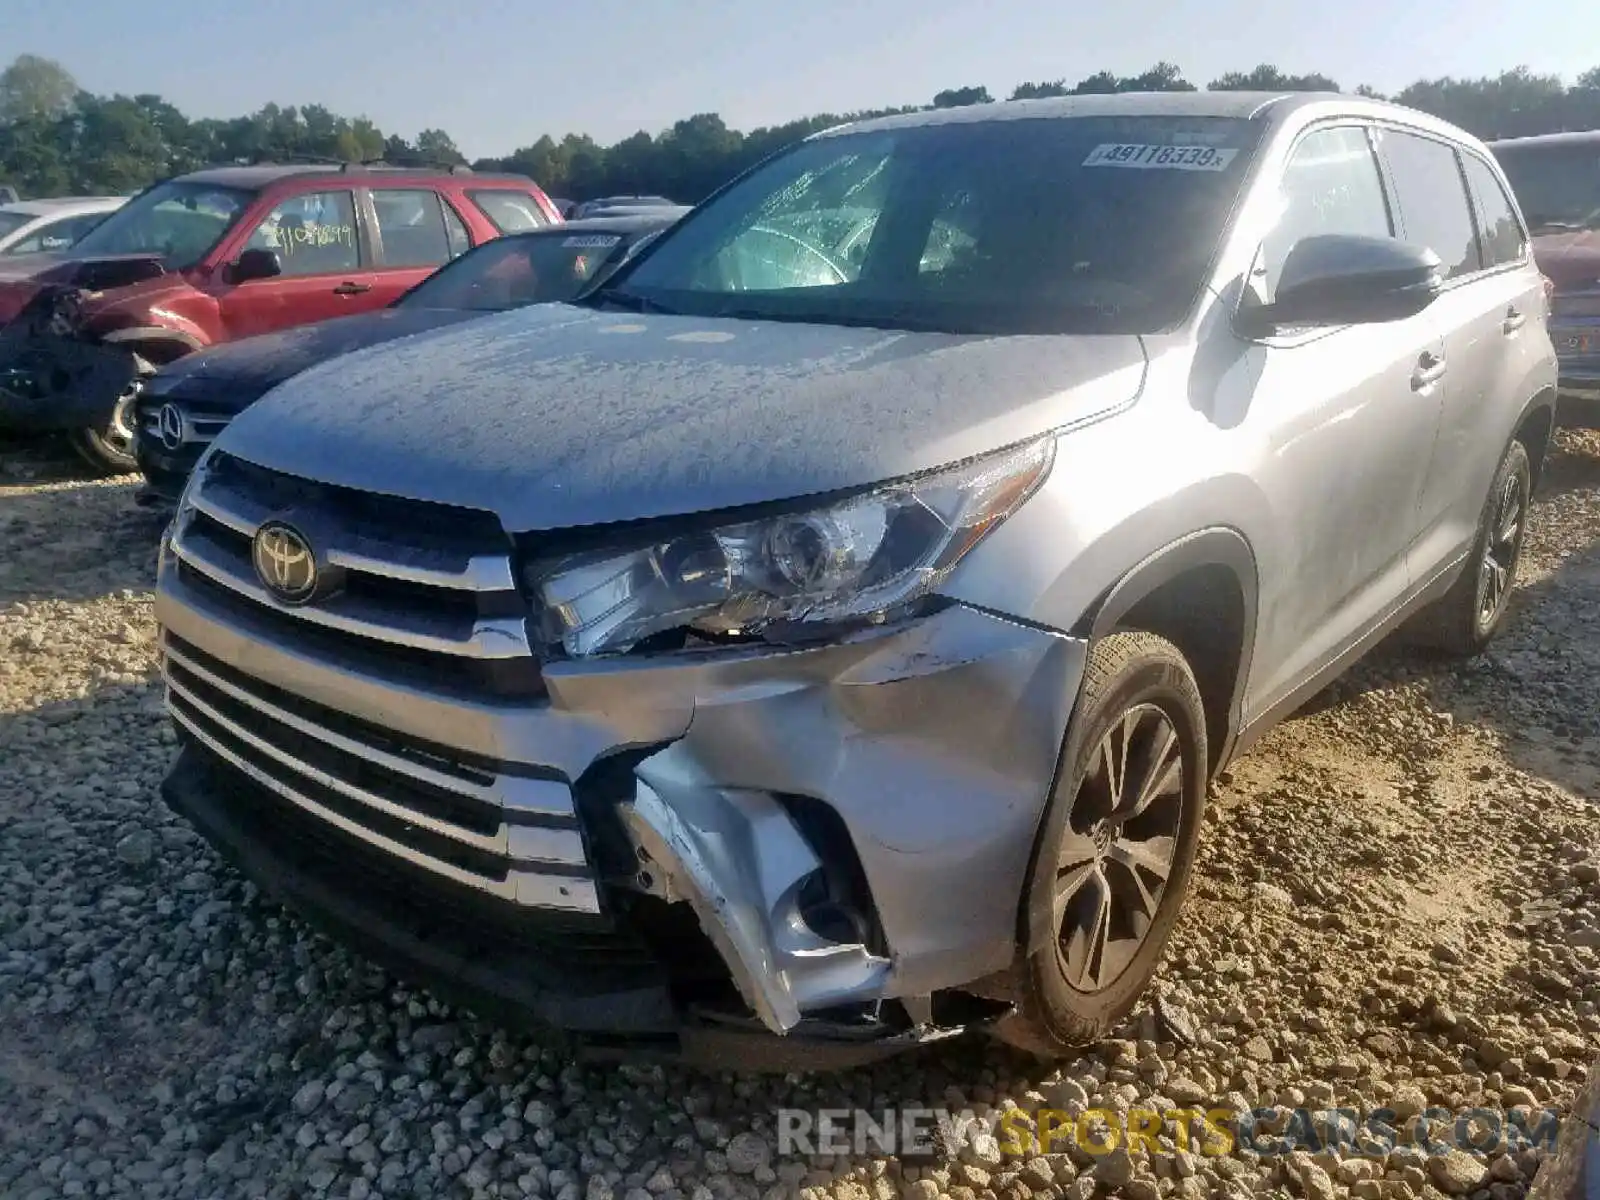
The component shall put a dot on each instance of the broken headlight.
(858, 559)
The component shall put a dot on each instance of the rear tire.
(1464, 619)
(1116, 849)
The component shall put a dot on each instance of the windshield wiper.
(630, 301)
(890, 321)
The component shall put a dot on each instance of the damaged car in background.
(1556, 177)
(819, 640)
(221, 254)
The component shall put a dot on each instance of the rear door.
(1491, 316)
(414, 233)
(326, 266)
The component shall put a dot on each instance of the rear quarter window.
(1504, 240)
(508, 211)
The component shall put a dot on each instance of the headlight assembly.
(859, 559)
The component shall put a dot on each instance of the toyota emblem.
(171, 426)
(284, 562)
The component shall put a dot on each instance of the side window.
(411, 227)
(1432, 199)
(1331, 185)
(312, 234)
(456, 231)
(509, 211)
(1502, 236)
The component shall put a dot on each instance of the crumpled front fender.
(52, 375)
(935, 751)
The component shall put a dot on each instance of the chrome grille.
(201, 423)
(426, 579)
(426, 593)
(510, 832)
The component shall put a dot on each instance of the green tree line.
(58, 139)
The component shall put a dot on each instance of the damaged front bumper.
(54, 377)
(842, 830)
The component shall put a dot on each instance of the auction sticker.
(1141, 157)
(591, 242)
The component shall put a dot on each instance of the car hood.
(97, 271)
(1570, 260)
(111, 279)
(557, 416)
(242, 371)
(15, 268)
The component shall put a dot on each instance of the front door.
(325, 273)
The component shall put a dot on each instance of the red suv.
(221, 254)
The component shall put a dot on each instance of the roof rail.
(415, 164)
(345, 164)
(262, 159)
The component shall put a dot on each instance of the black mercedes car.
(185, 405)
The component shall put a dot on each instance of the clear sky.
(496, 74)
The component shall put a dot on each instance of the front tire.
(1117, 847)
(109, 448)
(1465, 618)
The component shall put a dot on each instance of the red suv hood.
(1569, 260)
(27, 266)
(21, 277)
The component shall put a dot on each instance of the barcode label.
(1160, 158)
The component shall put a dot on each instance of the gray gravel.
(1397, 904)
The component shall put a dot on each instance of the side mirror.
(256, 264)
(1349, 279)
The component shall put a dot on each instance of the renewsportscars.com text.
(926, 1132)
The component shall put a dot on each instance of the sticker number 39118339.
(1160, 158)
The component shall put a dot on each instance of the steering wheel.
(840, 275)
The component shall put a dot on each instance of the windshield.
(1557, 186)
(178, 221)
(1087, 224)
(10, 222)
(510, 272)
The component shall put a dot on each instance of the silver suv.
(830, 629)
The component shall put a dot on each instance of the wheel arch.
(156, 344)
(1535, 429)
(1200, 592)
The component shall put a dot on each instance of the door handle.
(1514, 320)
(351, 289)
(1430, 369)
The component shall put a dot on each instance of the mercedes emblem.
(171, 426)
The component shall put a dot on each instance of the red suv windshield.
(179, 221)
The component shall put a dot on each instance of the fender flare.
(1213, 546)
(154, 333)
(1542, 402)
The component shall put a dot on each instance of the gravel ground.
(1397, 905)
